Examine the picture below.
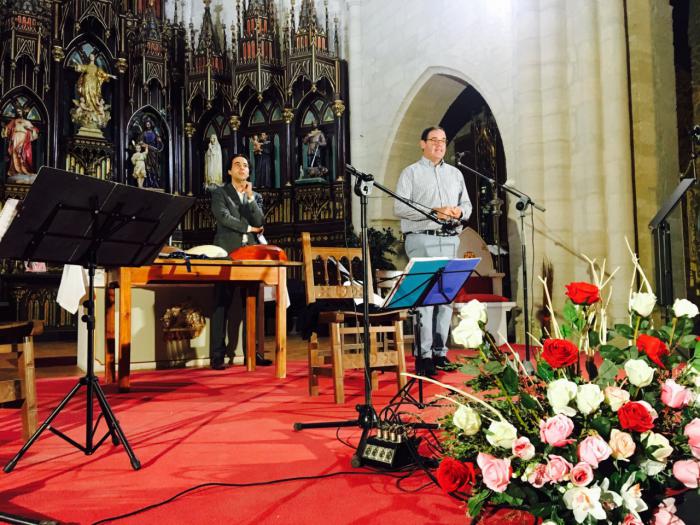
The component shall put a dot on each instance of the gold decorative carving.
(58, 54)
(189, 130)
(338, 108)
(234, 122)
(288, 115)
(122, 65)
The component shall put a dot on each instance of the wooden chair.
(17, 381)
(325, 280)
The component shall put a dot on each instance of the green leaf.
(593, 339)
(494, 367)
(544, 371)
(470, 369)
(529, 402)
(602, 425)
(687, 341)
(510, 380)
(476, 502)
(624, 330)
(613, 353)
(570, 312)
(606, 373)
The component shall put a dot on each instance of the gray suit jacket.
(233, 217)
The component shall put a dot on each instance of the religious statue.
(138, 159)
(20, 133)
(213, 163)
(150, 138)
(262, 150)
(90, 111)
(315, 140)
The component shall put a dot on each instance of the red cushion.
(465, 297)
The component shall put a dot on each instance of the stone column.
(189, 131)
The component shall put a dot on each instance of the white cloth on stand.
(73, 287)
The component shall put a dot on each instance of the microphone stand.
(367, 416)
(524, 201)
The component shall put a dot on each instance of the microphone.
(362, 176)
(458, 156)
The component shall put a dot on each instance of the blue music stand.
(426, 281)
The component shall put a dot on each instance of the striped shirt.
(429, 186)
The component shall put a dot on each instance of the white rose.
(643, 303)
(616, 397)
(474, 310)
(468, 333)
(639, 373)
(467, 419)
(560, 393)
(588, 398)
(501, 434)
(651, 467)
(683, 307)
(663, 450)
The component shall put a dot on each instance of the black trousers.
(228, 307)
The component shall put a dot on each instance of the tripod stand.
(72, 219)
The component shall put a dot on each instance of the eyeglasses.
(435, 141)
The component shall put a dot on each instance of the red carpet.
(194, 426)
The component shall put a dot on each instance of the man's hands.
(248, 189)
(255, 229)
(448, 212)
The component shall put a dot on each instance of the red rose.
(453, 474)
(583, 293)
(559, 353)
(635, 416)
(653, 347)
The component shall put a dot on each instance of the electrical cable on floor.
(367, 472)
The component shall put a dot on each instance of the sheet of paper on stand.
(8, 212)
(73, 287)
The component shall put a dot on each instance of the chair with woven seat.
(17, 379)
(331, 275)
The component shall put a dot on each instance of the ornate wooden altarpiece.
(271, 88)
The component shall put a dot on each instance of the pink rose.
(674, 395)
(555, 430)
(687, 472)
(558, 469)
(496, 472)
(666, 514)
(581, 474)
(631, 519)
(692, 430)
(593, 450)
(538, 477)
(523, 449)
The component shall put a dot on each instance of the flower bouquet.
(607, 429)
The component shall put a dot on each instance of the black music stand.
(426, 282)
(661, 232)
(73, 219)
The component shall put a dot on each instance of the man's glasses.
(435, 141)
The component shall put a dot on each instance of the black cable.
(366, 472)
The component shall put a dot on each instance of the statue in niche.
(146, 133)
(315, 141)
(262, 150)
(138, 159)
(213, 163)
(90, 111)
(20, 133)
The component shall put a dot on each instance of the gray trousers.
(435, 320)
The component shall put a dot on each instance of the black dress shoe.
(218, 366)
(260, 360)
(442, 363)
(425, 367)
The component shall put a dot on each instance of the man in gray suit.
(239, 221)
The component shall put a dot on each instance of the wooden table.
(250, 275)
